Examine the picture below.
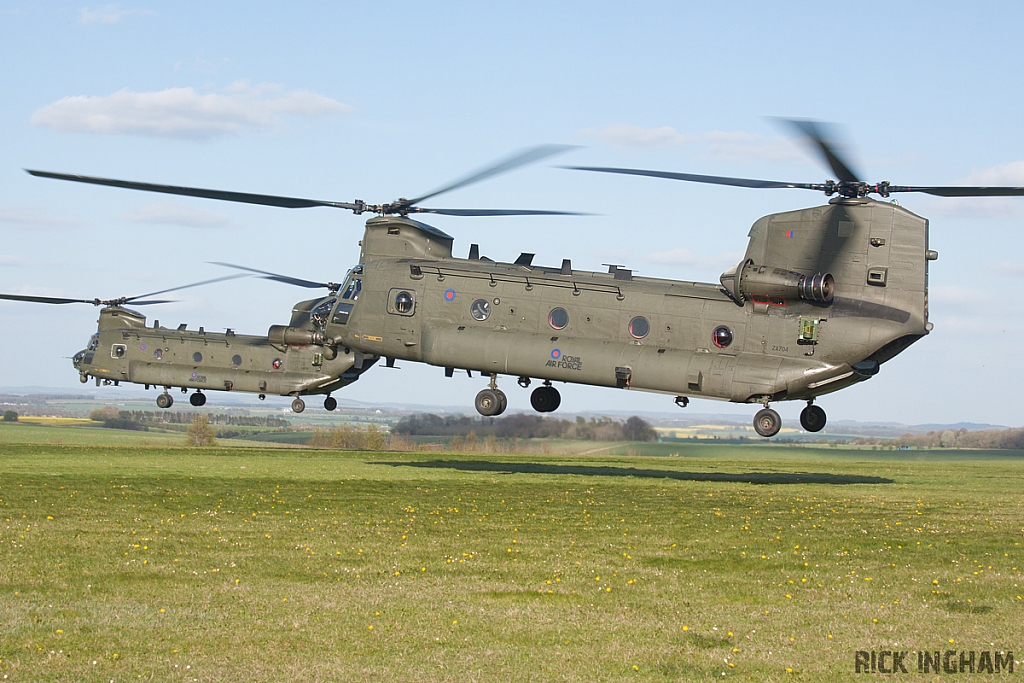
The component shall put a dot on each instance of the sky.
(380, 100)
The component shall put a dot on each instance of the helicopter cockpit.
(349, 295)
(85, 356)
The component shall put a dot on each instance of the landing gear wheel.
(164, 400)
(502, 401)
(540, 399)
(298, 405)
(197, 399)
(767, 422)
(556, 399)
(545, 399)
(330, 403)
(812, 418)
(488, 403)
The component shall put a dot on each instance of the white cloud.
(1004, 175)
(173, 213)
(6, 260)
(31, 217)
(1009, 268)
(631, 135)
(108, 14)
(724, 145)
(685, 257)
(617, 256)
(744, 147)
(184, 113)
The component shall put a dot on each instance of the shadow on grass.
(589, 471)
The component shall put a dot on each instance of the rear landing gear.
(812, 418)
(767, 422)
(545, 399)
(491, 401)
(330, 403)
(197, 399)
(298, 405)
(164, 400)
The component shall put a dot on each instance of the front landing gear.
(545, 399)
(164, 400)
(812, 418)
(767, 422)
(492, 400)
(197, 399)
(298, 405)
(330, 403)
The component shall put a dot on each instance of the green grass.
(121, 560)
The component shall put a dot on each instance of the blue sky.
(379, 100)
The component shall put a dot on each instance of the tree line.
(526, 426)
(989, 439)
(184, 418)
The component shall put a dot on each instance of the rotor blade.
(495, 212)
(527, 156)
(133, 299)
(133, 302)
(693, 177)
(816, 132)
(962, 191)
(48, 299)
(274, 276)
(243, 197)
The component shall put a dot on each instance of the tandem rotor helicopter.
(822, 298)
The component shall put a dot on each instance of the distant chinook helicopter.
(822, 298)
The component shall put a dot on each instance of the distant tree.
(321, 438)
(373, 440)
(105, 413)
(199, 433)
(10, 416)
(637, 429)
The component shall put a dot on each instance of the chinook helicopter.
(822, 298)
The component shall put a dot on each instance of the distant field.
(126, 556)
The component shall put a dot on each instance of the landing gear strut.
(164, 400)
(197, 399)
(767, 422)
(812, 418)
(330, 403)
(491, 401)
(545, 399)
(298, 405)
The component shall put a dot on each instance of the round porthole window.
(558, 318)
(277, 363)
(236, 360)
(197, 357)
(480, 310)
(158, 354)
(722, 336)
(639, 327)
(403, 302)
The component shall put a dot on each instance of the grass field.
(126, 556)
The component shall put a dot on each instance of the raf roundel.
(449, 295)
(556, 353)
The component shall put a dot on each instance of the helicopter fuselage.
(613, 329)
(823, 297)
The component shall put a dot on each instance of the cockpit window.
(353, 290)
(318, 316)
(341, 313)
(353, 285)
(94, 342)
